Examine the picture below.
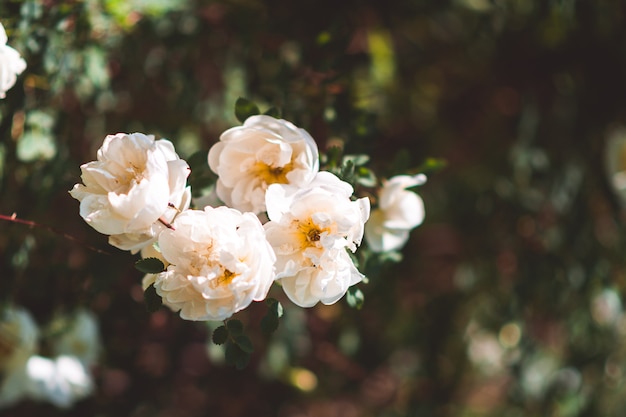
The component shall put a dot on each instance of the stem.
(13, 219)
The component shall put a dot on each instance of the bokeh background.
(508, 300)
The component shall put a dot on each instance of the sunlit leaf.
(150, 265)
(245, 108)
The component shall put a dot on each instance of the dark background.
(508, 298)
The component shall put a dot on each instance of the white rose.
(310, 229)
(135, 182)
(61, 381)
(80, 337)
(18, 342)
(219, 261)
(11, 64)
(398, 212)
(263, 151)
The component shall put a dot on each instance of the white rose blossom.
(18, 342)
(310, 229)
(80, 337)
(61, 381)
(219, 262)
(11, 64)
(135, 186)
(399, 211)
(264, 151)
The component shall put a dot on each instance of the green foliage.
(355, 298)
(245, 108)
(220, 335)
(270, 321)
(151, 299)
(150, 265)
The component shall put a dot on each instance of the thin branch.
(13, 219)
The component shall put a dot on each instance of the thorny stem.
(13, 218)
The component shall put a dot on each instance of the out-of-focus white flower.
(606, 307)
(11, 64)
(263, 151)
(80, 337)
(310, 229)
(135, 182)
(219, 261)
(18, 341)
(398, 212)
(61, 381)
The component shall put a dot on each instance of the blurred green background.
(508, 301)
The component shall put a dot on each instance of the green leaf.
(431, 165)
(355, 298)
(366, 177)
(245, 108)
(235, 327)
(234, 355)
(198, 161)
(273, 112)
(244, 343)
(269, 324)
(150, 265)
(220, 335)
(152, 299)
(357, 160)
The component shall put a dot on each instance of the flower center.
(273, 174)
(227, 278)
(132, 174)
(310, 233)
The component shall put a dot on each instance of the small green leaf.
(198, 160)
(355, 298)
(150, 265)
(366, 177)
(431, 165)
(269, 324)
(244, 343)
(220, 335)
(273, 111)
(357, 160)
(152, 299)
(245, 108)
(234, 355)
(235, 327)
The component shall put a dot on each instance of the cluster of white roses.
(283, 220)
(11, 64)
(62, 380)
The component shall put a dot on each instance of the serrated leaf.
(273, 111)
(234, 355)
(269, 323)
(220, 335)
(150, 265)
(244, 343)
(152, 299)
(235, 327)
(245, 108)
(355, 298)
